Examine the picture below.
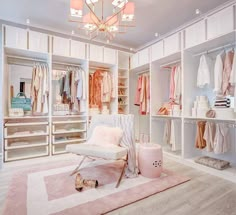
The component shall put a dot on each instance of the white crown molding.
(51, 30)
(182, 27)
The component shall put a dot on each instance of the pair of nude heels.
(80, 183)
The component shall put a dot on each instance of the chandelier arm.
(92, 12)
(115, 14)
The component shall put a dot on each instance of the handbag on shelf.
(21, 101)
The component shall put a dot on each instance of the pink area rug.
(48, 189)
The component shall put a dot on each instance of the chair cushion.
(106, 136)
(110, 153)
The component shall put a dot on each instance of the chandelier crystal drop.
(109, 17)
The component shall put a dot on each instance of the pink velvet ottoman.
(150, 160)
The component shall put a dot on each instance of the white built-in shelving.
(210, 34)
(123, 82)
(214, 32)
(21, 48)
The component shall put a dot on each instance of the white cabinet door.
(157, 50)
(95, 53)
(123, 60)
(195, 34)
(110, 56)
(15, 37)
(38, 41)
(144, 57)
(78, 49)
(134, 61)
(61, 46)
(220, 23)
(172, 44)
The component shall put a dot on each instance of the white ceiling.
(152, 16)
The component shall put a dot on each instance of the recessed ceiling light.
(131, 49)
(197, 11)
(156, 34)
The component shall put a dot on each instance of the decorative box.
(16, 112)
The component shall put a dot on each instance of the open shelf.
(25, 124)
(26, 153)
(166, 117)
(67, 60)
(123, 69)
(68, 116)
(69, 141)
(24, 53)
(26, 117)
(68, 122)
(209, 119)
(122, 77)
(169, 58)
(140, 68)
(70, 132)
(27, 135)
(221, 40)
(25, 146)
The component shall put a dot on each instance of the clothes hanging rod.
(230, 124)
(26, 58)
(143, 72)
(215, 49)
(166, 119)
(66, 64)
(170, 63)
(99, 68)
(21, 64)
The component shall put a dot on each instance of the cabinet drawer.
(78, 49)
(134, 61)
(220, 23)
(15, 37)
(110, 56)
(61, 46)
(95, 53)
(143, 57)
(157, 50)
(172, 44)
(195, 34)
(38, 42)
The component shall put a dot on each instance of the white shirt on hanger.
(204, 71)
(218, 74)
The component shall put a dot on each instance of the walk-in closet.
(117, 107)
(177, 85)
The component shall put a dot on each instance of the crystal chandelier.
(102, 16)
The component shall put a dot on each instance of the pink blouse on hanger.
(138, 91)
(226, 86)
(172, 83)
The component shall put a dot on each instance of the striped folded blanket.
(222, 103)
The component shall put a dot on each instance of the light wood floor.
(203, 195)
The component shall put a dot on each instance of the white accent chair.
(125, 152)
